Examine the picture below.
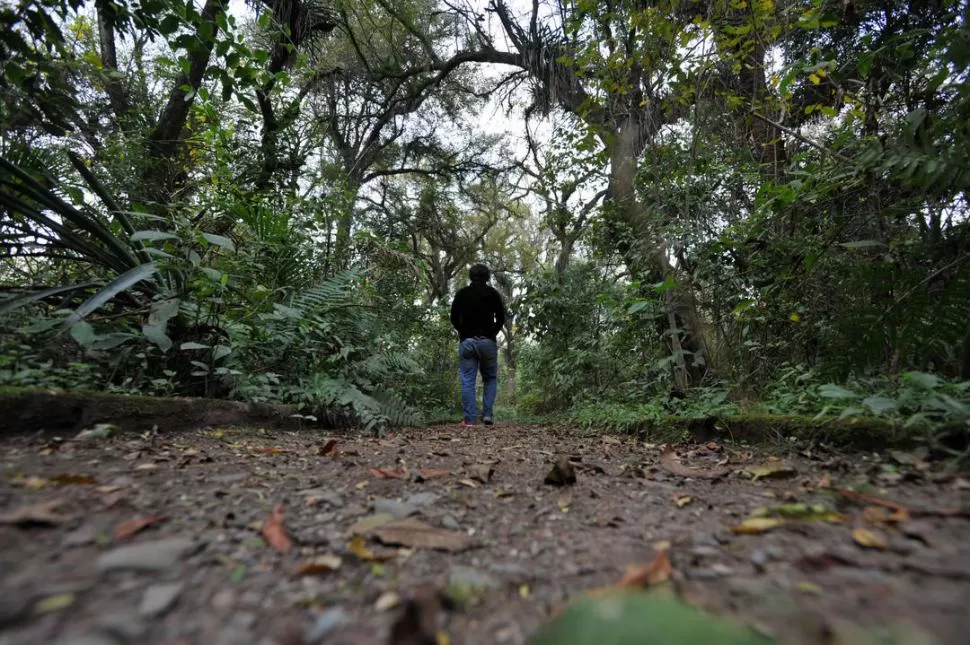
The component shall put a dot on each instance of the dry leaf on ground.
(131, 526)
(756, 525)
(414, 533)
(63, 480)
(562, 473)
(771, 469)
(481, 472)
(319, 565)
(654, 573)
(328, 448)
(682, 500)
(389, 473)
(670, 462)
(43, 514)
(869, 539)
(433, 473)
(275, 532)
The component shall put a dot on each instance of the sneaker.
(466, 424)
(488, 421)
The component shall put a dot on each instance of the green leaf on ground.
(635, 618)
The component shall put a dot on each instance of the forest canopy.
(690, 207)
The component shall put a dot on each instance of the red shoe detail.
(465, 424)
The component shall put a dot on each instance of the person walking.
(478, 314)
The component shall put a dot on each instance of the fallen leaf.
(562, 473)
(328, 448)
(771, 469)
(756, 525)
(357, 546)
(54, 603)
(433, 473)
(481, 472)
(414, 533)
(319, 565)
(389, 473)
(670, 462)
(959, 483)
(129, 527)
(271, 451)
(275, 532)
(869, 539)
(64, 480)
(824, 482)
(524, 591)
(387, 600)
(108, 489)
(563, 501)
(471, 483)
(146, 466)
(808, 587)
(823, 561)
(682, 500)
(36, 515)
(800, 511)
(654, 573)
(367, 524)
(635, 616)
(98, 431)
(32, 482)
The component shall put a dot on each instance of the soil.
(221, 567)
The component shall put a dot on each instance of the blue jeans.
(474, 355)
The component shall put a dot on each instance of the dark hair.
(479, 273)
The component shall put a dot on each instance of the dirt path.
(164, 540)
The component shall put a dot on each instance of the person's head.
(479, 273)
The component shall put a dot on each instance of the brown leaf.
(481, 472)
(275, 532)
(36, 515)
(319, 565)
(671, 463)
(433, 473)
(388, 473)
(271, 451)
(414, 533)
(129, 527)
(328, 448)
(63, 480)
(654, 573)
(823, 561)
(562, 473)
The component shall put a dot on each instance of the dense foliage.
(690, 208)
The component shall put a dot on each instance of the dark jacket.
(477, 310)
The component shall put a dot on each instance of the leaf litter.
(540, 545)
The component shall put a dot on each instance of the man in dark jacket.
(478, 314)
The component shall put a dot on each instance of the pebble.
(159, 598)
(399, 510)
(85, 534)
(423, 499)
(471, 579)
(156, 555)
(450, 523)
(224, 599)
(88, 639)
(759, 559)
(124, 627)
(327, 622)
